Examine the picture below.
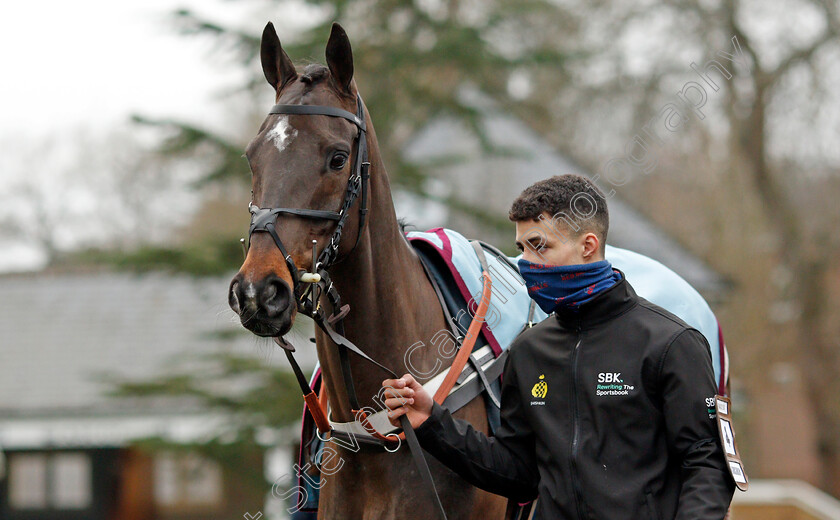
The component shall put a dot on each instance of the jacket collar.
(616, 300)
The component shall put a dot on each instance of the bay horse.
(306, 161)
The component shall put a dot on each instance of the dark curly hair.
(572, 200)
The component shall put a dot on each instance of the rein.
(308, 286)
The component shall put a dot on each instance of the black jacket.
(606, 414)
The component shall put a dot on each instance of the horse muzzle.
(265, 307)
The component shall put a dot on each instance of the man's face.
(550, 242)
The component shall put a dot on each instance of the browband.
(318, 110)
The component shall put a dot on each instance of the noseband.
(264, 219)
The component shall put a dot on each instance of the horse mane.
(404, 224)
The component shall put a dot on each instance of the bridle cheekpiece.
(264, 219)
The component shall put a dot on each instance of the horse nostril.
(274, 298)
(233, 297)
(270, 292)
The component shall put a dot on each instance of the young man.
(604, 408)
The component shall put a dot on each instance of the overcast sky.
(93, 62)
(87, 65)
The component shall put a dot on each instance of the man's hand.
(407, 396)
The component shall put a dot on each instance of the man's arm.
(687, 381)
(505, 464)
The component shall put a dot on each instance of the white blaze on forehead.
(282, 134)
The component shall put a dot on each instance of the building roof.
(449, 151)
(62, 332)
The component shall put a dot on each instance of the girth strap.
(484, 382)
(482, 359)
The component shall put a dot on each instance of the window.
(28, 481)
(186, 481)
(50, 480)
(71, 481)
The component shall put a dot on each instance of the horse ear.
(277, 66)
(340, 58)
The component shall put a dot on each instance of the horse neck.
(389, 296)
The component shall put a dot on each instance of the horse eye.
(338, 161)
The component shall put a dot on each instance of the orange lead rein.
(467, 346)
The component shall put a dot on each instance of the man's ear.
(591, 247)
(277, 66)
(340, 58)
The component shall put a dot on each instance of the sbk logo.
(610, 384)
(610, 377)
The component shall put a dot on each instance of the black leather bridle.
(263, 219)
(318, 280)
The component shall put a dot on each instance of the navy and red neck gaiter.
(566, 286)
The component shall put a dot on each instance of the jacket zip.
(573, 458)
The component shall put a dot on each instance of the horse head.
(305, 161)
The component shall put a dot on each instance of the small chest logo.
(610, 377)
(611, 383)
(541, 388)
